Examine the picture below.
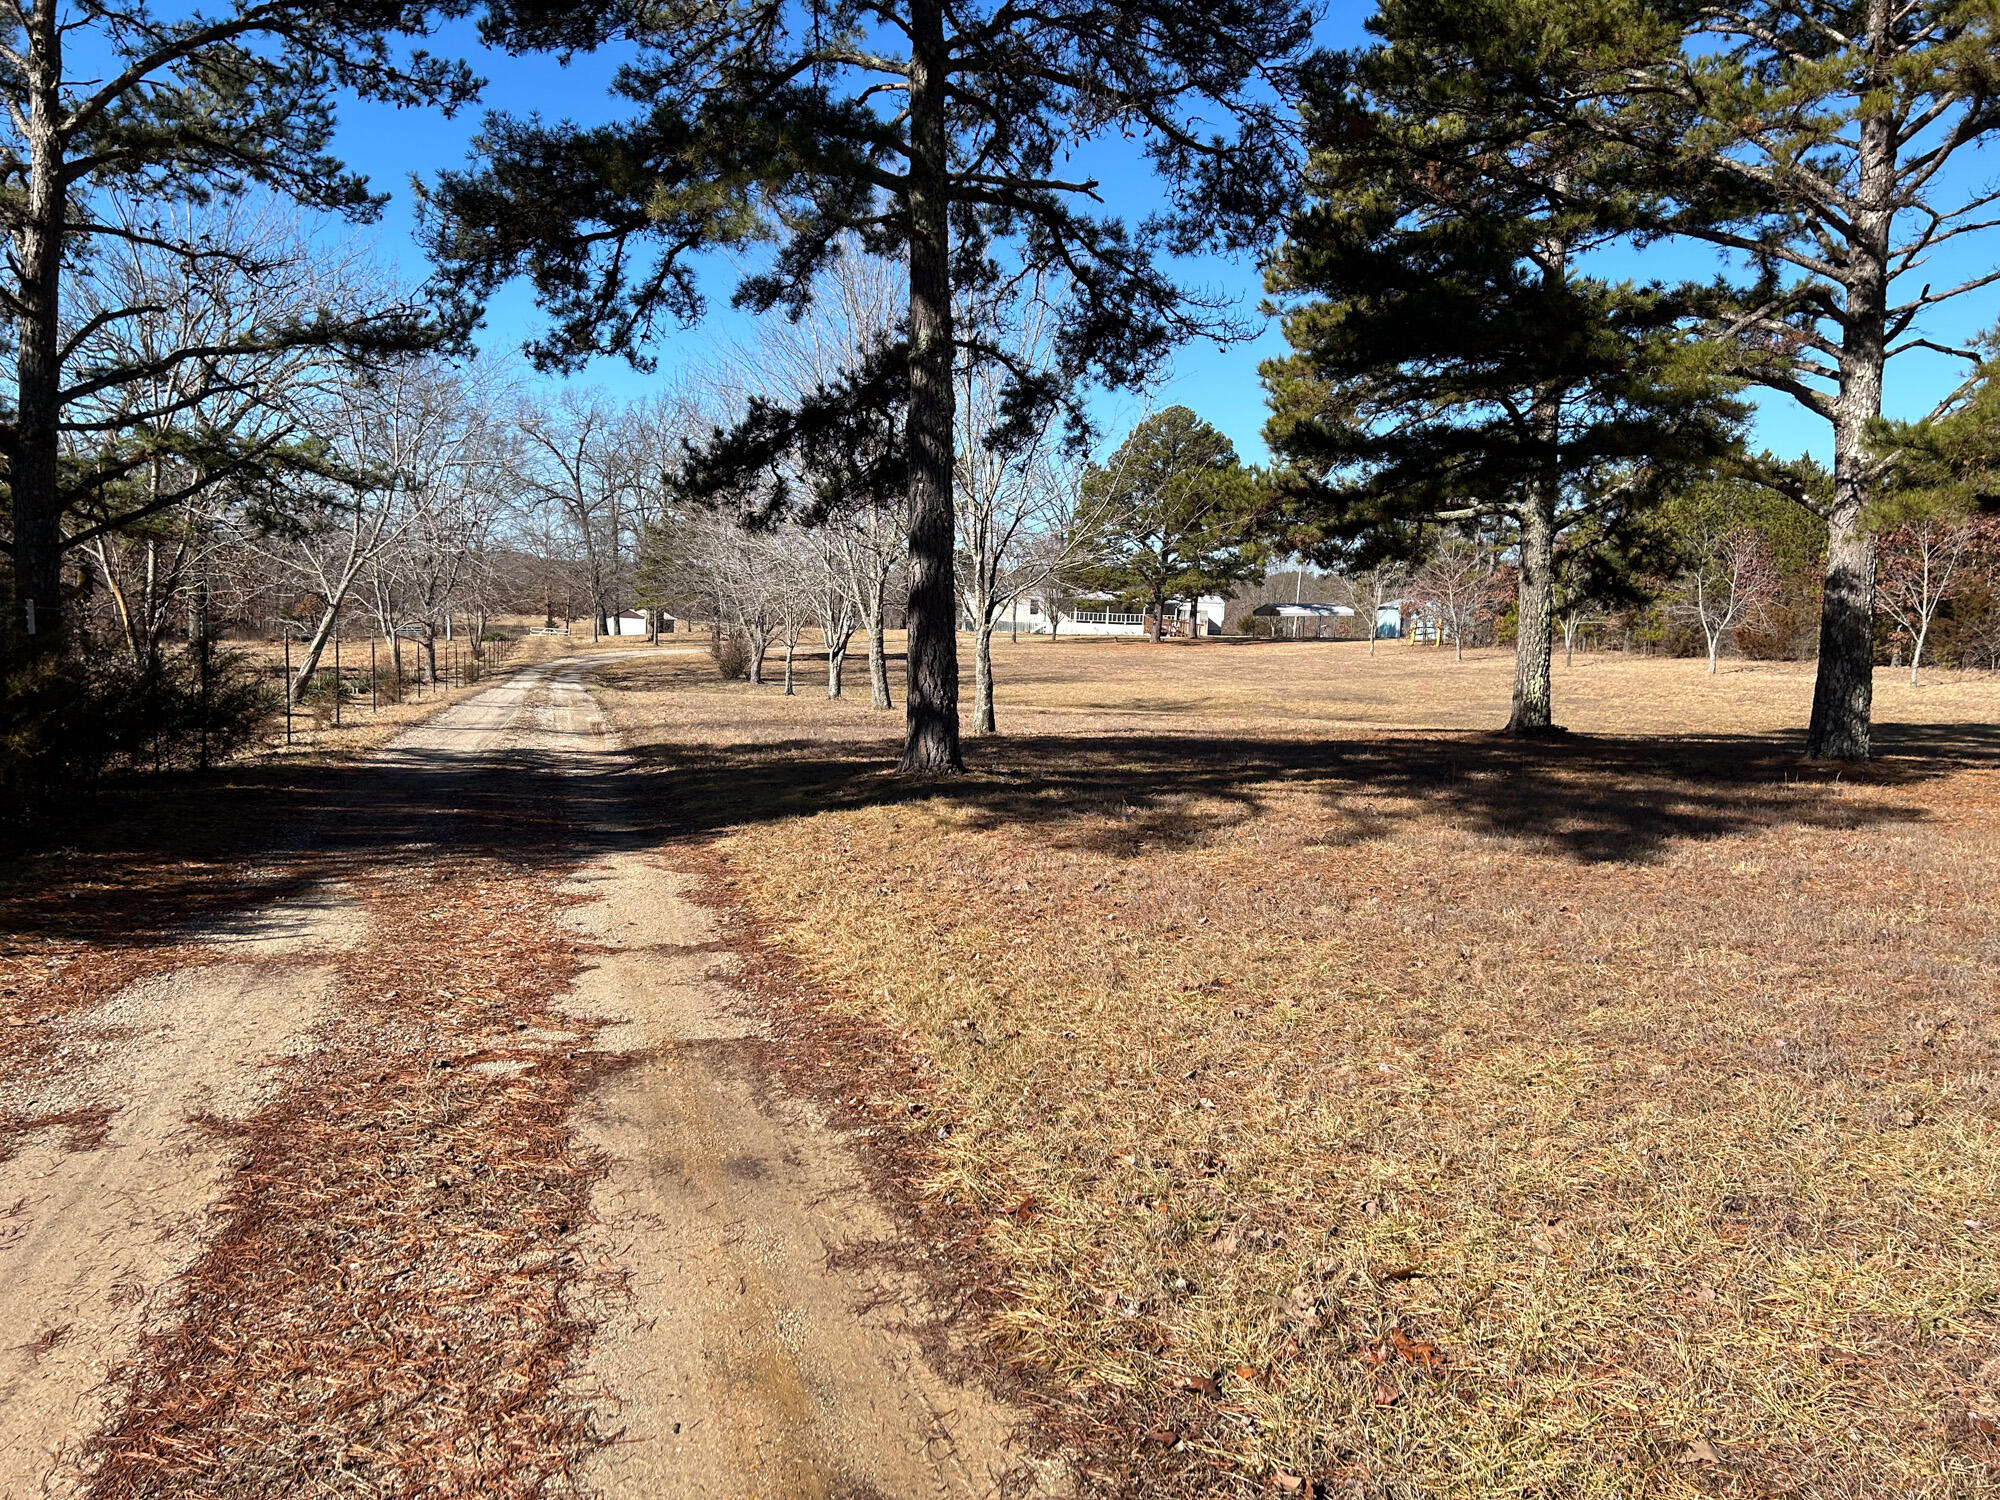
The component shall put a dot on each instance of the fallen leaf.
(1166, 1437)
(1411, 1351)
(1387, 1395)
(1700, 1451)
(1291, 1484)
(1205, 1385)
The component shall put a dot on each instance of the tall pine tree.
(119, 118)
(1455, 364)
(1823, 146)
(1178, 516)
(939, 134)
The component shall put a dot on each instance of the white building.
(1100, 614)
(1303, 621)
(1313, 621)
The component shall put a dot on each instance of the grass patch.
(1351, 1099)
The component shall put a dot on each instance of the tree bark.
(982, 677)
(930, 744)
(836, 668)
(1844, 687)
(878, 652)
(1534, 641)
(38, 246)
(315, 648)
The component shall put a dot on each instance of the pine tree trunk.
(1534, 642)
(38, 245)
(1844, 688)
(930, 744)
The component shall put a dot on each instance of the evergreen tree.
(1946, 466)
(1178, 515)
(1456, 365)
(937, 134)
(1816, 143)
(120, 118)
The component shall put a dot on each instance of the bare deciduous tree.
(1923, 564)
(1367, 591)
(585, 459)
(1730, 580)
(1456, 588)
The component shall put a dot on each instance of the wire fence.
(354, 680)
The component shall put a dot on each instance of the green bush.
(69, 720)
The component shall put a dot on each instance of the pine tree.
(1457, 365)
(1816, 143)
(1178, 515)
(120, 117)
(937, 134)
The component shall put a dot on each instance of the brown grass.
(1352, 1099)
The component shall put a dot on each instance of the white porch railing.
(1104, 617)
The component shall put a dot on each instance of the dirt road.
(477, 1066)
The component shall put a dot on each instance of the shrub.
(321, 692)
(69, 720)
(732, 658)
(496, 635)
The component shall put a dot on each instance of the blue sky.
(1219, 383)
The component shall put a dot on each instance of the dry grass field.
(1336, 1098)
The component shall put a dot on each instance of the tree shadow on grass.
(1587, 799)
(154, 862)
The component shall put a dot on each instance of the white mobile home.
(1099, 614)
